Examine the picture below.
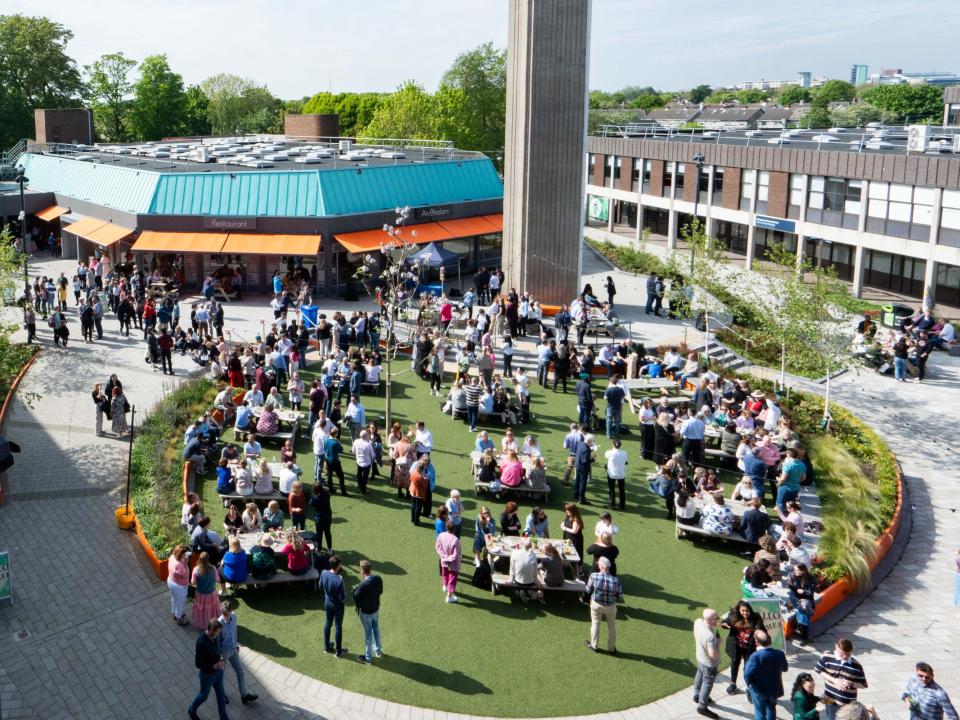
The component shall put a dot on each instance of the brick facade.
(731, 188)
(63, 125)
(311, 126)
(689, 182)
(656, 178)
(778, 194)
(626, 174)
(599, 165)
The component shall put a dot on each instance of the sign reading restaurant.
(228, 223)
(433, 213)
(772, 223)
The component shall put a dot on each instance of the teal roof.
(271, 193)
(121, 188)
(347, 192)
(267, 194)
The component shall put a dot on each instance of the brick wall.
(311, 125)
(63, 125)
(731, 188)
(599, 163)
(690, 182)
(778, 194)
(626, 173)
(656, 178)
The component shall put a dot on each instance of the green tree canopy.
(744, 97)
(159, 101)
(236, 104)
(410, 112)
(912, 103)
(700, 93)
(355, 110)
(857, 115)
(481, 76)
(196, 113)
(108, 90)
(833, 91)
(650, 102)
(816, 117)
(35, 72)
(794, 94)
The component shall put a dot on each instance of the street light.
(698, 159)
(22, 179)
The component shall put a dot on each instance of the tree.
(794, 94)
(834, 91)
(410, 112)
(237, 105)
(35, 72)
(816, 118)
(195, 120)
(649, 102)
(108, 90)
(700, 93)
(912, 103)
(159, 102)
(857, 115)
(481, 76)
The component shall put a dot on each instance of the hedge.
(156, 469)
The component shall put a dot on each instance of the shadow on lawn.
(639, 587)
(264, 644)
(429, 675)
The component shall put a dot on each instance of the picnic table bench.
(283, 576)
(501, 580)
(737, 507)
(520, 490)
(275, 495)
(280, 435)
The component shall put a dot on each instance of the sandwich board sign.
(769, 610)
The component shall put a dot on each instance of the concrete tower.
(544, 175)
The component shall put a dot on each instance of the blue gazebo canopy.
(435, 255)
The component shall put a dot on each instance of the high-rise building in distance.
(859, 74)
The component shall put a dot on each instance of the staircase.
(720, 356)
(9, 159)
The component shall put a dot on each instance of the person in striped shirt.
(473, 391)
(925, 698)
(843, 676)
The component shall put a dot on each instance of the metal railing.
(11, 156)
(707, 319)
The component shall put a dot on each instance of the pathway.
(96, 640)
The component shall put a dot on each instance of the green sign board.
(6, 584)
(769, 610)
(598, 208)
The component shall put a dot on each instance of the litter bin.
(308, 315)
(893, 315)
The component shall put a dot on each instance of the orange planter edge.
(6, 401)
(159, 567)
(838, 591)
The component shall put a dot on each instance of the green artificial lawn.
(491, 655)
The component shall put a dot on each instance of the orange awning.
(367, 240)
(153, 241)
(52, 213)
(471, 227)
(108, 234)
(84, 226)
(496, 220)
(267, 244)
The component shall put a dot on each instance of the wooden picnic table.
(649, 384)
(501, 546)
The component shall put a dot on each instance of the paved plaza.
(90, 635)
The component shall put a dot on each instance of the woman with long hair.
(178, 578)
(664, 441)
(206, 606)
(572, 527)
(118, 410)
(741, 621)
(804, 698)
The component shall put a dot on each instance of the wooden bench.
(499, 580)
(280, 435)
(275, 495)
(729, 460)
(683, 530)
(371, 387)
(310, 576)
(520, 489)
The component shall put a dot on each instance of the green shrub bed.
(157, 465)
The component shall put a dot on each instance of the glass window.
(834, 193)
(616, 170)
(748, 181)
(591, 164)
(718, 180)
(923, 196)
(854, 192)
(796, 190)
(817, 182)
(647, 165)
(704, 180)
(950, 218)
(901, 193)
(637, 169)
(608, 170)
(899, 211)
(763, 185)
(877, 208)
(879, 191)
(668, 169)
(951, 199)
(815, 199)
(681, 172)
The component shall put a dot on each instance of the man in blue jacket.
(764, 677)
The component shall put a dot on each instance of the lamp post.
(22, 179)
(698, 159)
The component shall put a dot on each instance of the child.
(273, 516)
(297, 503)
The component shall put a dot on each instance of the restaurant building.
(262, 203)
(882, 209)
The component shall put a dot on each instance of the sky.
(300, 47)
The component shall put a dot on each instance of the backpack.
(262, 566)
(482, 577)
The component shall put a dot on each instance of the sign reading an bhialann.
(432, 213)
(6, 584)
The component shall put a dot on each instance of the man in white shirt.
(287, 478)
(616, 473)
(605, 525)
(252, 450)
(254, 397)
(373, 374)
(605, 358)
(523, 572)
(274, 399)
(356, 416)
(321, 430)
(424, 439)
(521, 382)
(363, 452)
